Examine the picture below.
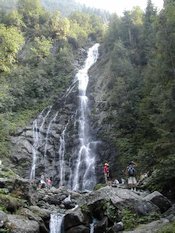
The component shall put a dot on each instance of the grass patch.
(99, 186)
(168, 228)
(131, 220)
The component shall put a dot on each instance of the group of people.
(45, 182)
(130, 172)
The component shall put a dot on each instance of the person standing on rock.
(131, 172)
(42, 183)
(106, 172)
(49, 182)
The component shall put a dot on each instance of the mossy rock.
(99, 186)
(7, 173)
(10, 204)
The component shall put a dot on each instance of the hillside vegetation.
(141, 84)
(38, 48)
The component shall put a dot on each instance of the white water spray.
(55, 223)
(48, 132)
(84, 175)
(38, 125)
(61, 158)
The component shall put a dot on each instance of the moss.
(129, 219)
(168, 228)
(4, 191)
(2, 208)
(10, 204)
(111, 212)
(99, 186)
(85, 209)
(149, 218)
(7, 173)
(21, 118)
(5, 231)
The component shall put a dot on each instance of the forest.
(37, 51)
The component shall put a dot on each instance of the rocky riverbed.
(27, 209)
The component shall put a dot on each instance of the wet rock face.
(43, 137)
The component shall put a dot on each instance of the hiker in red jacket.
(106, 172)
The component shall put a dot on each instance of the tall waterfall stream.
(84, 174)
(81, 175)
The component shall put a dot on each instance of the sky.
(118, 6)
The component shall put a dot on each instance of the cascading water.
(34, 148)
(92, 227)
(84, 174)
(55, 224)
(48, 132)
(37, 128)
(61, 158)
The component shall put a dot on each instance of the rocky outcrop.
(159, 200)
(19, 224)
(105, 210)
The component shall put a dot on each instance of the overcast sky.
(119, 6)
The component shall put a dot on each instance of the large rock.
(159, 200)
(74, 218)
(22, 188)
(100, 226)
(78, 229)
(19, 224)
(29, 214)
(33, 216)
(40, 212)
(120, 198)
(3, 218)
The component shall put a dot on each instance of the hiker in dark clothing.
(131, 173)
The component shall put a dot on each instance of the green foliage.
(4, 137)
(168, 228)
(141, 91)
(99, 186)
(11, 42)
(148, 218)
(85, 209)
(36, 60)
(59, 26)
(10, 204)
(83, 25)
(111, 212)
(6, 172)
(129, 219)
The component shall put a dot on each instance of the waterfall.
(37, 140)
(92, 227)
(34, 148)
(48, 132)
(55, 224)
(84, 174)
(61, 158)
